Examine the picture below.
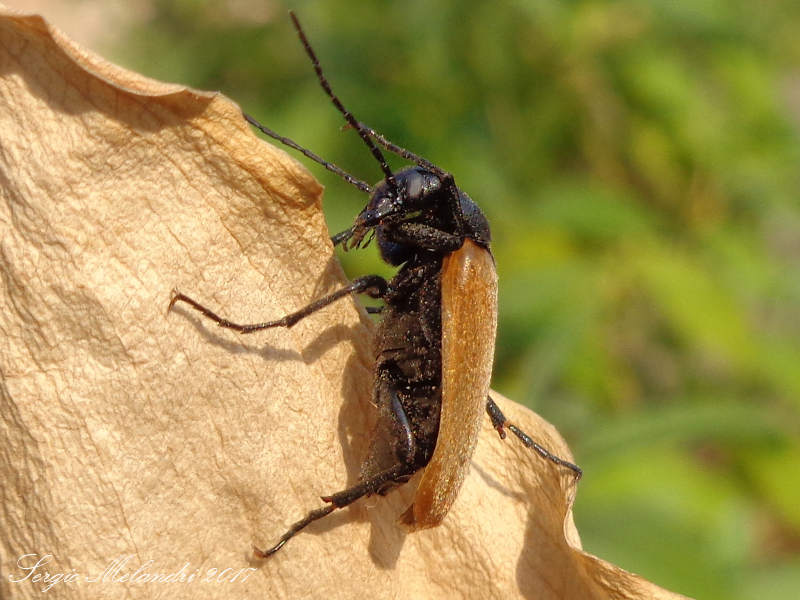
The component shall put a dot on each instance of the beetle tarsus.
(312, 516)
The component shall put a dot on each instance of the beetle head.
(416, 192)
(419, 195)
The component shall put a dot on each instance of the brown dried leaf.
(128, 430)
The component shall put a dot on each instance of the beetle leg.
(501, 423)
(406, 447)
(425, 236)
(373, 285)
(399, 471)
(338, 500)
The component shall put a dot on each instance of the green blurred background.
(639, 163)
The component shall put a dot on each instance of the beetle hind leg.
(501, 423)
(379, 483)
(297, 527)
(337, 500)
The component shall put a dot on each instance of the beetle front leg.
(425, 236)
(372, 285)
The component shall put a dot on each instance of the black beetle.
(435, 340)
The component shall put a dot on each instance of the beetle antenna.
(308, 153)
(402, 152)
(363, 132)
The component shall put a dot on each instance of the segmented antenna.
(402, 152)
(351, 120)
(308, 153)
(367, 134)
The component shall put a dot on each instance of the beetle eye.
(417, 187)
(414, 188)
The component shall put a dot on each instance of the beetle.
(434, 342)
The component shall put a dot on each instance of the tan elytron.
(469, 328)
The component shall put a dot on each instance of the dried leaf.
(128, 431)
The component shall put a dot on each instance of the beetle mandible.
(435, 339)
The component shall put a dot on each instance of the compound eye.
(418, 184)
(415, 187)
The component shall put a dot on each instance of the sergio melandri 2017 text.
(32, 568)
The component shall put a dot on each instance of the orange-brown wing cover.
(469, 328)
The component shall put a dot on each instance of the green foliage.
(638, 162)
